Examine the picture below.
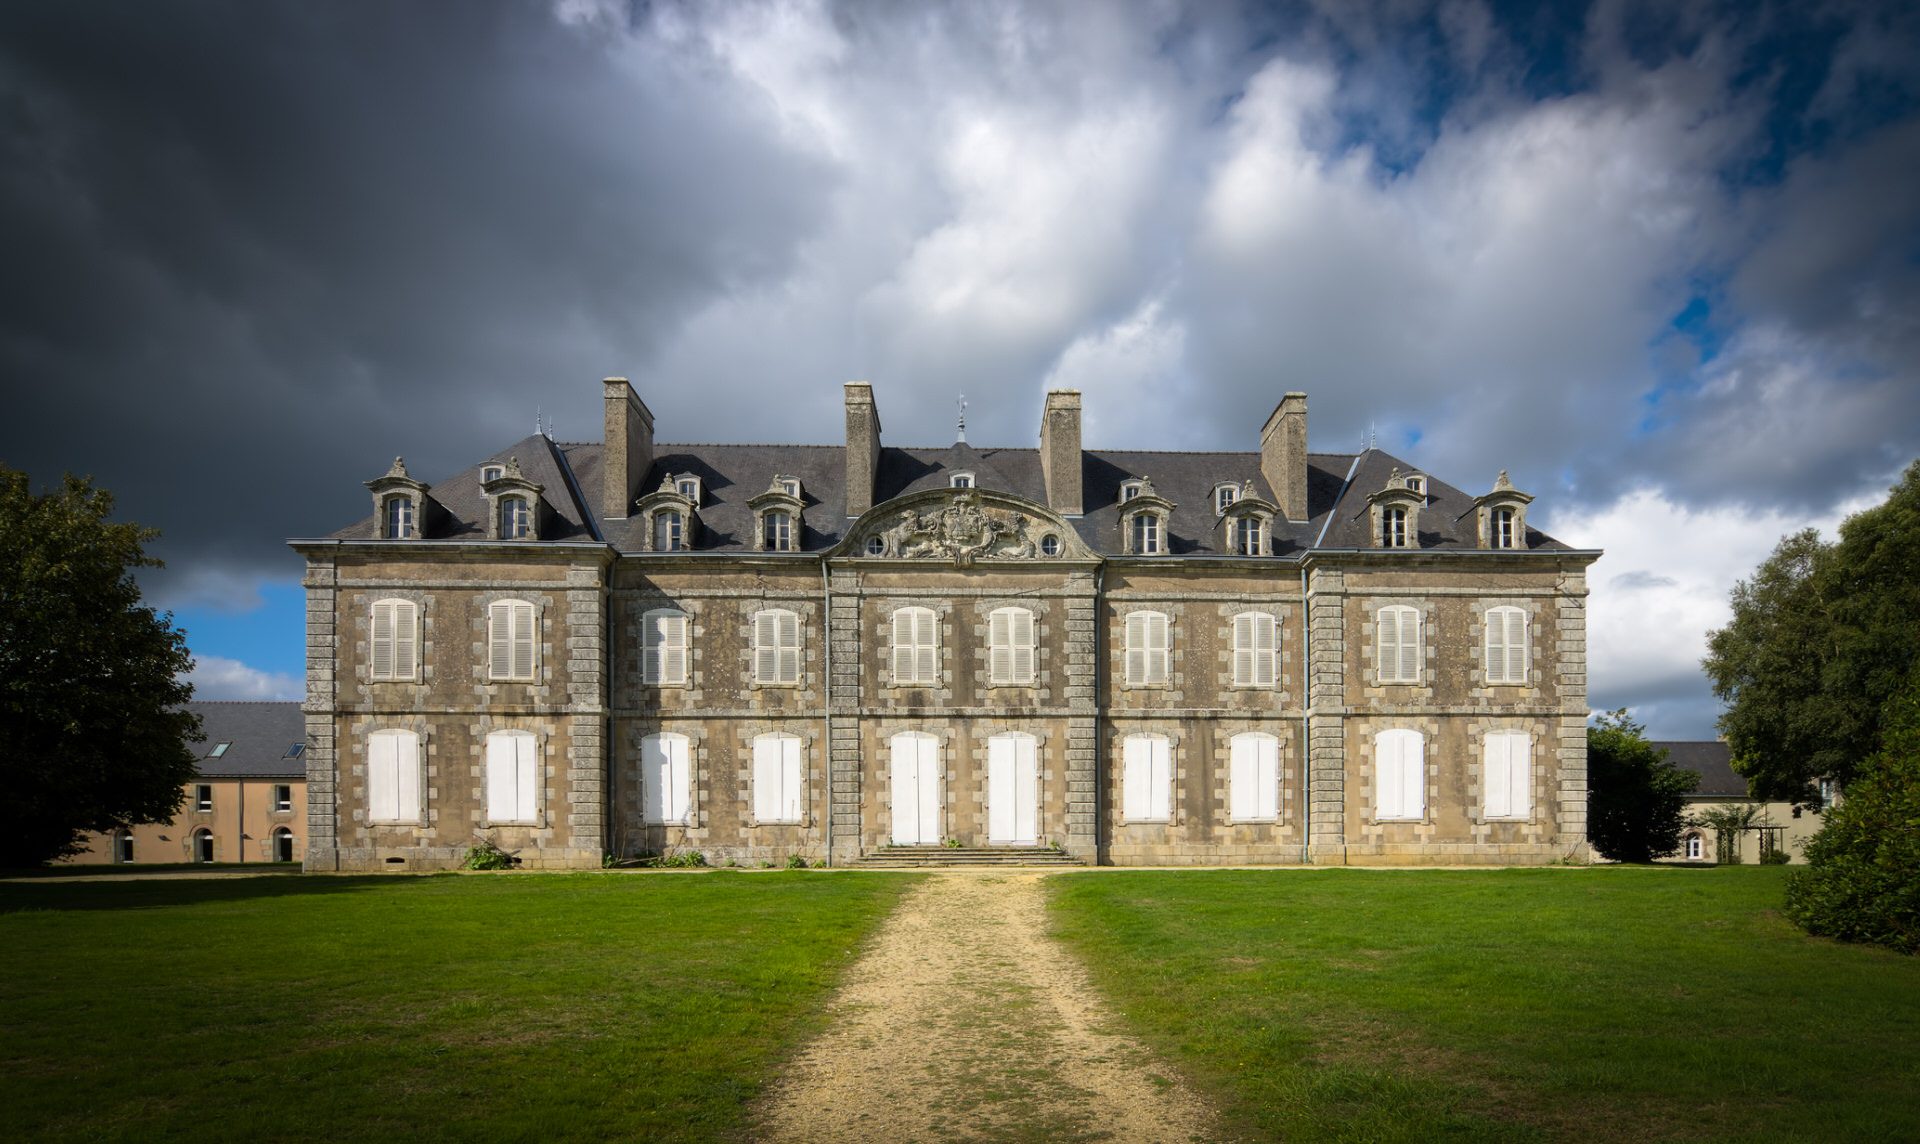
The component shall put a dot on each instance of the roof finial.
(961, 439)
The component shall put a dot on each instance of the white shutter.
(766, 778)
(406, 626)
(787, 631)
(1397, 642)
(503, 777)
(1023, 646)
(673, 648)
(1509, 769)
(790, 808)
(915, 655)
(1000, 647)
(383, 639)
(1266, 647)
(766, 648)
(1136, 780)
(1136, 648)
(1157, 648)
(393, 776)
(500, 640)
(1254, 791)
(1162, 780)
(1410, 654)
(526, 771)
(927, 647)
(1243, 669)
(1516, 646)
(523, 640)
(1400, 771)
(664, 775)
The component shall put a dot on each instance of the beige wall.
(1796, 831)
(243, 821)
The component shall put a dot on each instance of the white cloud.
(214, 677)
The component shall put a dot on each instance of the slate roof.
(1338, 485)
(259, 736)
(1710, 759)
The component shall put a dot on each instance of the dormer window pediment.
(401, 506)
(1246, 525)
(1500, 516)
(514, 504)
(669, 521)
(1145, 517)
(778, 523)
(1394, 514)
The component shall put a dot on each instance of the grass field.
(1629, 1004)
(478, 1008)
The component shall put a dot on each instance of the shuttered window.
(510, 640)
(396, 626)
(1506, 783)
(665, 778)
(776, 778)
(513, 777)
(1254, 794)
(663, 647)
(916, 649)
(393, 777)
(1146, 779)
(1256, 647)
(1400, 775)
(1506, 650)
(776, 647)
(1148, 649)
(1397, 644)
(1010, 648)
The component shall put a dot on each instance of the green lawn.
(512, 1007)
(1627, 1004)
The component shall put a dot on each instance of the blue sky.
(1658, 260)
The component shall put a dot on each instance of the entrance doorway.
(203, 845)
(916, 788)
(282, 844)
(1013, 790)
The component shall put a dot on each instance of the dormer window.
(688, 487)
(1130, 489)
(492, 473)
(1393, 528)
(1224, 495)
(960, 481)
(400, 523)
(1417, 482)
(1146, 533)
(789, 486)
(1249, 539)
(516, 518)
(1502, 515)
(669, 531)
(777, 531)
(1503, 528)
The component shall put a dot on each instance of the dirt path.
(964, 1022)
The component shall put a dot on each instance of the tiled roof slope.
(260, 735)
(1710, 759)
(732, 474)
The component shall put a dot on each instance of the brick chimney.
(629, 450)
(1060, 451)
(1283, 455)
(863, 446)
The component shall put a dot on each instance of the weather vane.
(962, 438)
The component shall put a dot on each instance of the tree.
(1728, 823)
(1635, 797)
(93, 734)
(1862, 878)
(1821, 638)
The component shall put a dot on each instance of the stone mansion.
(756, 651)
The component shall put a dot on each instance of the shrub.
(796, 862)
(679, 860)
(1862, 880)
(484, 855)
(1775, 858)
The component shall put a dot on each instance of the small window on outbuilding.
(123, 846)
(203, 797)
(218, 750)
(295, 750)
(282, 797)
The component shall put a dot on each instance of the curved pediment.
(962, 526)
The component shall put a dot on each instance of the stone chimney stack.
(1283, 455)
(629, 450)
(863, 446)
(1060, 451)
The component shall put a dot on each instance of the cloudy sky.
(1661, 261)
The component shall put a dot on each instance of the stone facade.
(973, 645)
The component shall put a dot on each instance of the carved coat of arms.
(963, 532)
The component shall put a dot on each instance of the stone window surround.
(422, 602)
(942, 610)
(1232, 613)
(944, 738)
(1370, 622)
(1537, 759)
(758, 608)
(1161, 519)
(749, 732)
(1223, 759)
(541, 605)
(987, 645)
(427, 745)
(1429, 732)
(697, 792)
(667, 498)
(641, 645)
(1477, 640)
(543, 769)
(1042, 772)
(1175, 772)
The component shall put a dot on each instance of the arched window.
(123, 846)
(1505, 535)
(1393, 528)
(1254, 793)
(1010, 648)
(393, 777)
(1506, 645)
(1148, 649)
(916, 647)
(777, 531)
(1256, 649)
(1249, 539)
(393, 651)
(1146, 533)
(516, 518)
(666, 778)
(510, 640)
(513, 777)
(1397, 651)
(1696, 848)
(663, 647)
(1146, 778)
(282, 844)
(399, 522)
(1399, 775)
(669, 531)
(776, 647)
(1506, 779)
(777, 793)
(203, 845)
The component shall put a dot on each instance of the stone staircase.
(901, 857)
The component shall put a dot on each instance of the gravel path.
(964, 1021)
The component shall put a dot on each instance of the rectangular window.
(1397, 645)
(1505, 778)
(1148, 647)
(663, 648)
(393, 777)
(1506, 645)
(779, 531)
(513, 777)
(283, 798)
(1400, 775)
(666, 777)
(1146, 534)
(1010, 648)
(1393, 528)
(510, 626)
(399, 518)
(666, 532)
(1146, 781)
(1255, 789)
(1503, 528)
(776, 778)
(1248, 540)
(916, 651)
(203, 797)
(1224, 496)
(395, 628)
(776, 647)
(1256, 646)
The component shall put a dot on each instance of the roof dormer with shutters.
(1394, 512)
(1144, 519)
(776, 516)
(668, 518)
(1500, 517)
(515, 508)
(402, 510)
(1245, 523)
